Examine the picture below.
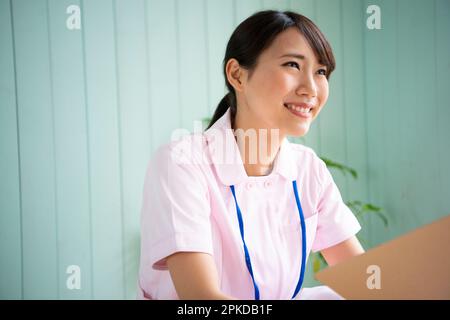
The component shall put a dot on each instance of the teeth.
(304, 110)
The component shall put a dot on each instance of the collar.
(227, 160)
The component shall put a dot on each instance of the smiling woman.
(273, 66)
(212, 229)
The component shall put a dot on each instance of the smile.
(299, 111)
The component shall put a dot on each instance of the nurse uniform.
(188, 205)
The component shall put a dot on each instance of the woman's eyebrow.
(298, 56)
(293, 55)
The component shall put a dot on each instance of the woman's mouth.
(303, 112)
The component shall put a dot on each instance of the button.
(267, 183)
(249, 185)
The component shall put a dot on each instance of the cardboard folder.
(413, 266)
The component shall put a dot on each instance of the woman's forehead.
(291, 42)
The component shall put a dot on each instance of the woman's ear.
(235, 74)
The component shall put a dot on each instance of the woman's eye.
(296, 65)
(292, 63)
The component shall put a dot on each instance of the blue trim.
(302, 222)
(247, 255)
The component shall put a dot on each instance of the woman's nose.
(307, 86)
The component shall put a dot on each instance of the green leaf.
(316, 264)
(382, 217)
(360, 209)
(343, 168)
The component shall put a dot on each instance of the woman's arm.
(342, 251)
(194, 276)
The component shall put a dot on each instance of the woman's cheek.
(323, 95)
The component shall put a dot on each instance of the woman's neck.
(258, 145)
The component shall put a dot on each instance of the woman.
(226, 219)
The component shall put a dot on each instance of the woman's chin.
(300, 131)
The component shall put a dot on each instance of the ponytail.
(228, 101)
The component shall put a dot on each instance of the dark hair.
(255, 34)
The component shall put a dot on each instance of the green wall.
(81, 112)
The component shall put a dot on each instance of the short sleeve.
(336, 222)
(175, 214)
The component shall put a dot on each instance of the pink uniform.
(188, 206)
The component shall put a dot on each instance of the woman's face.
(286, 79)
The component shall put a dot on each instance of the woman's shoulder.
(309, 163)
(188, 149)
(303, 153)
(178, 159)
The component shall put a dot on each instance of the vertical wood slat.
(425, 129)
(10, 208)
(384, 141)
(164, 70)
(385, 110)
(104, 149)
(373, 101)
(192, 57)
(407, 102)
(132, 62)
(442, 80)
(71, 159)
(37, 150)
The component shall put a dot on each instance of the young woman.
(223, 218)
